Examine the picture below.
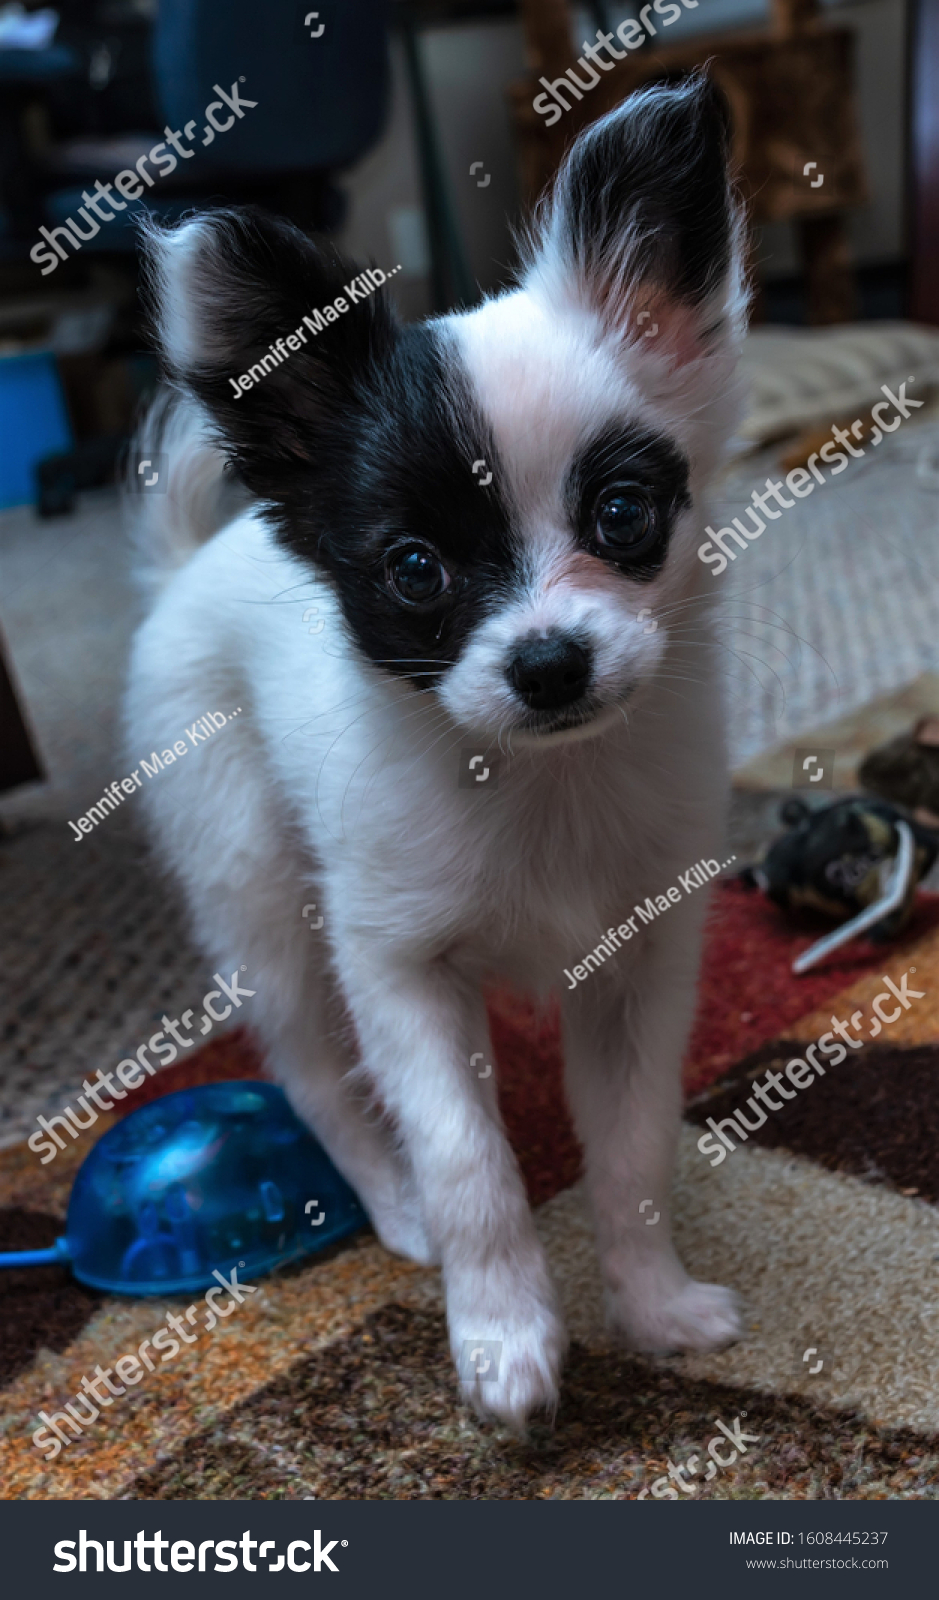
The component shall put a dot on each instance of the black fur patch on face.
(359, 444)
(629, 456)
(397, 473)
(250, 279)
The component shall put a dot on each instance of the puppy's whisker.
(399, 661)
(783, 627)
(334, 710)
(372, 693)
(429, 710)
(420, 756)
(369, 710)
(728, 649)
(435, 713)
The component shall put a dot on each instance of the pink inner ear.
(927, 731)
(650, 320)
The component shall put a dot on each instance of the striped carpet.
(334, 1379)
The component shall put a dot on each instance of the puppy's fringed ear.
(641, 226)
(225, 288)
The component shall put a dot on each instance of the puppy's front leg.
(625, 1036)
(417, 1029)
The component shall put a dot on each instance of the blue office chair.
(321, 85)
(318, 74)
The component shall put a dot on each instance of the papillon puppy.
(396, 545)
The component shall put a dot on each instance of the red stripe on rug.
(748, 992)
(747, 996)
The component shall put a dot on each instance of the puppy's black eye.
(624, 521)
(416, 575)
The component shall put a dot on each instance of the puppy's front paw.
(513, 1369)
(684, 1316)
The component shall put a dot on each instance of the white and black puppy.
(453, 612)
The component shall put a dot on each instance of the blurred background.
(404, 128)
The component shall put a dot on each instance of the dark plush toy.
(906, 770)
(833, 859)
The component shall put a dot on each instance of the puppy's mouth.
(585, 719)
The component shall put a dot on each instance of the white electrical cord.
(893, 896)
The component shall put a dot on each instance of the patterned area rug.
(333, 1380)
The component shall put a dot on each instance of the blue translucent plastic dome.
(216, 1177)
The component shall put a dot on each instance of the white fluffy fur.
(337, 784)
(199, 499)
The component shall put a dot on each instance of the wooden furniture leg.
(830, 291)
(924, 162)
(19, 762)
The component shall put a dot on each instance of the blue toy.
(220, 1176)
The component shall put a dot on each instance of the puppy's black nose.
(549, 672)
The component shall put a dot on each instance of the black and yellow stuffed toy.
(906, 771)
(835, 860)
